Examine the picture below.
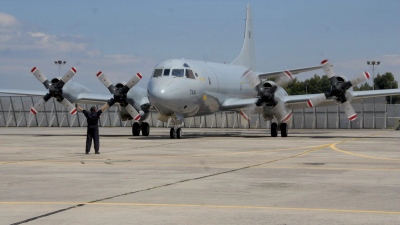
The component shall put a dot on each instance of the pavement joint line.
(170, 184)
(138, 204)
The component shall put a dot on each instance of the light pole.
(373, 64)
(59, 63)
(391, 87)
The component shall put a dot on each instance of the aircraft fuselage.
(196, 88)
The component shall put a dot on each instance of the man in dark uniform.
(92, 118)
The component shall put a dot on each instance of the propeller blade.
(326, 65)
(316, 100)
(38, 106)
(349, 110)
(287, 117)
(42, 78)
(281, 113)
(68, 75)
(134, 80)
(360, 79)
(250, 77)
(246, 120)
(69, 106)
(284, 79)
(107, 83)
(132, 111)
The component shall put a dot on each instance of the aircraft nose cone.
(164, 94)
(157, 90)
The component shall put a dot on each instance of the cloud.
(22, 47)
(7, 20)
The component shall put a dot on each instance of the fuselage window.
(189, 74)
(178, 72)
(157, 72)
(166, 72)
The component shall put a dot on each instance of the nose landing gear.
(175, 132)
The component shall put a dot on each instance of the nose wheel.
(175, 133)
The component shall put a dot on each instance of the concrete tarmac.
(211, 176)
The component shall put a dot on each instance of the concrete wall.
(15, 112)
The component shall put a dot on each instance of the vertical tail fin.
(247, 55)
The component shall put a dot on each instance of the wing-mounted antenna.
(247, 56)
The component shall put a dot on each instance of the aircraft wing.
(237, 103)
(300, 101)
(292, 72)
(85, 98)
(22, 92)
(92, 98)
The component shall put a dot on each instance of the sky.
(123, 37)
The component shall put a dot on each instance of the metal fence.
(15, 112)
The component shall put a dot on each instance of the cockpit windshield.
(178, 72)
(188, 73)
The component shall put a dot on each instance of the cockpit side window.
(157, 72)
(178, 72)
(166, 72)
(189, 74)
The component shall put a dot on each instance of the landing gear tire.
(274, 129)
(284, 130)
(136, 129)
(145, 129)
(179, 133)
(172, 133)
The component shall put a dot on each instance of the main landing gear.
(175, 132)
(283, 127)
(143, 126)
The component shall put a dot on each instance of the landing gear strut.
(144, 127)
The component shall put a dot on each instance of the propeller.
(120, 92)
(55, 90)
(338, 90)
(266, 93)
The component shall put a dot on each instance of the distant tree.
(363, 87)
(322, 84)
(313, 85)
(387, 81)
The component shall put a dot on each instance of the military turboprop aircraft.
(181, 88)
(133, 101)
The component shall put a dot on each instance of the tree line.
(318, 84)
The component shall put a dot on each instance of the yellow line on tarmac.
(203, 206)
(270, 150)
(328, 168)
(333, 146)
